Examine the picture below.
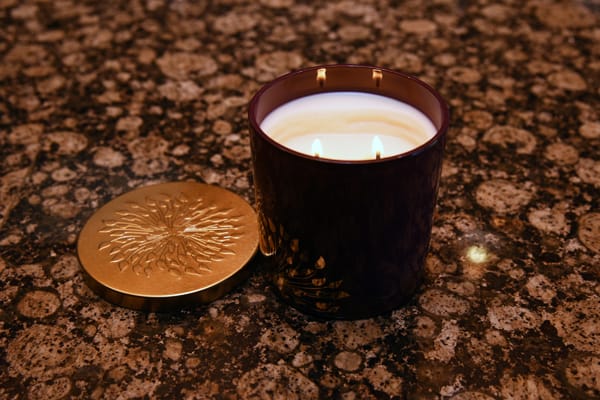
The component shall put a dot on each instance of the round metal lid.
(168, 245)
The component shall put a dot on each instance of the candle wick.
(377, 155)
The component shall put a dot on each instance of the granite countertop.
(99, 98)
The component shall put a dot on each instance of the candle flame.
(321, 76)
(317, 148)
(377, 76)
(377, 147)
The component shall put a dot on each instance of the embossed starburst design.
(171, 233)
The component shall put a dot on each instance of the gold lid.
(168, 245)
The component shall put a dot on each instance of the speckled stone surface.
(98, 98)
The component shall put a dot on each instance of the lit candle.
(348, 125)
(346, 164)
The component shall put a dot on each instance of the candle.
(348, 125)
(346, 162)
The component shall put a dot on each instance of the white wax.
(346, 124)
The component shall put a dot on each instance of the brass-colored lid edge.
(169, 303)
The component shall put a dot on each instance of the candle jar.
(346, 238)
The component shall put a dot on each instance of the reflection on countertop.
(98, 98)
